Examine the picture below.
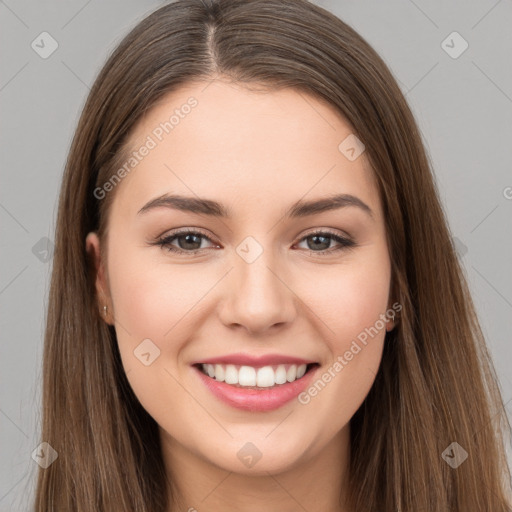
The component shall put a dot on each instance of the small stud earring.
(105, 310)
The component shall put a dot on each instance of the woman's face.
(268, 279)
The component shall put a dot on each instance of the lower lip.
(266, 399)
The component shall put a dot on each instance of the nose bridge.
(258, 297)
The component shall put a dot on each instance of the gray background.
(463, 106)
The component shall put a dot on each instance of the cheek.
(349, 300)
(358, 304)
(150, 297)
(155, 301)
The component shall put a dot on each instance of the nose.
(257, 296)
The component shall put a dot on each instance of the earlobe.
(93, 249)
(392, 319)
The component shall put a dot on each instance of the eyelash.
(165, 242)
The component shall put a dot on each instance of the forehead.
(241, 147)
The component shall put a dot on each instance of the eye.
(322, 240)
(189, 242)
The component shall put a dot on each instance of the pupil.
(316, 237)
(187, 241)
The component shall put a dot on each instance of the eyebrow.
(215, 209)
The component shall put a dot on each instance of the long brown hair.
(436, 384)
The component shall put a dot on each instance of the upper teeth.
(264, 377)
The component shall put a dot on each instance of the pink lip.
(256, 400)
(254, 361)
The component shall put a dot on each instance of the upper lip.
(255, 361)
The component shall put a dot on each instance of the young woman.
(255, 302)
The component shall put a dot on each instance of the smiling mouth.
(249, 377)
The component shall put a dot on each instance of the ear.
(392, 322)
(93, 249)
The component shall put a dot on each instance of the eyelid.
(330, 231)
(184, 231)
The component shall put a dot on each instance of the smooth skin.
(257, 153)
